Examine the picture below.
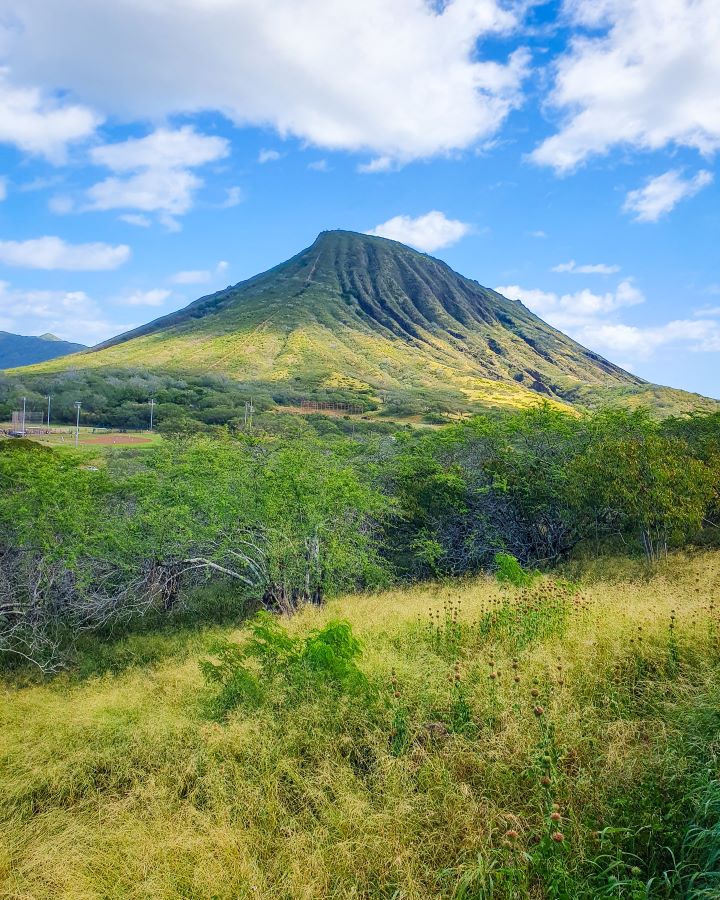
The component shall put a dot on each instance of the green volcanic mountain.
(355, 316)
(24, 350)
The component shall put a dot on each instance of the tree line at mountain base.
(282, 521)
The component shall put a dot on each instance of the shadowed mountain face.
(23, 350)
(364, 315)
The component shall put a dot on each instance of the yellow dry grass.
(121, 786)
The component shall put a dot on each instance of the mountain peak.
(359, 313)
(25, 350)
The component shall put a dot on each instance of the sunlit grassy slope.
(366, 315)
(122, 785)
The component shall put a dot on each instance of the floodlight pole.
(23, 418)
(77, 405)
(48, 418)
(152, 407)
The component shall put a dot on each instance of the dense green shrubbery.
(541, 483)
(290, 517)
(272, 661)
(82, 546)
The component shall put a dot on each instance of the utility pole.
(23, 419)
(48, 418)
(249, 410)
(77, 405)
(152, 408)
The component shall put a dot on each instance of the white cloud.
(192, 276)
(61, 204)
(153, 173)
(696, 335)
(405, 79)
(587, 269)
(72, 315)
(538, 234)
(39, 124)
(234, 196)
(199, 276)
(55, 253)
(266, 156)
(136, 219)
(154, 297)
(3, 188)
(153, 190)
(663, 193)
(164, 149)
(592, 321)
(429, 232)
(707, 311)
(379, 164)
(570, 312)
(319, 165)
(650, 78)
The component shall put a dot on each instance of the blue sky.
(564, 153)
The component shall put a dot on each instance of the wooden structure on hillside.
(351, 409)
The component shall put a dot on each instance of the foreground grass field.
(549, 741)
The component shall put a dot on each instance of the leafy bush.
(509, 571)
(272, 662)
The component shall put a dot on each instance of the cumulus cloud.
(405, 80)
(154, 190)
(641, 343)
(39, 124)
(55, 253)
(153, 173)
(576, 310)
(642, 73)
(183, 148)
(72, 315)
(586, 269)
(428, 232)
(591, 319)
(662, 194)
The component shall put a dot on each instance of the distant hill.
(355, 316)
(24, 350)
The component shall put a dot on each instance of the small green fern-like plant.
(273, 660)
(509, 571)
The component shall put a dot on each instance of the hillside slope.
(362, 316)
(24, 350)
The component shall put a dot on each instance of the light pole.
(23, 419)
(152, 408)
(77, 405)
(48, 419)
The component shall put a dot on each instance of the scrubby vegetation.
(455, 740)
(222, 678)
(283, 520)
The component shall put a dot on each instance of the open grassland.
(64, 437)
(545, 741)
